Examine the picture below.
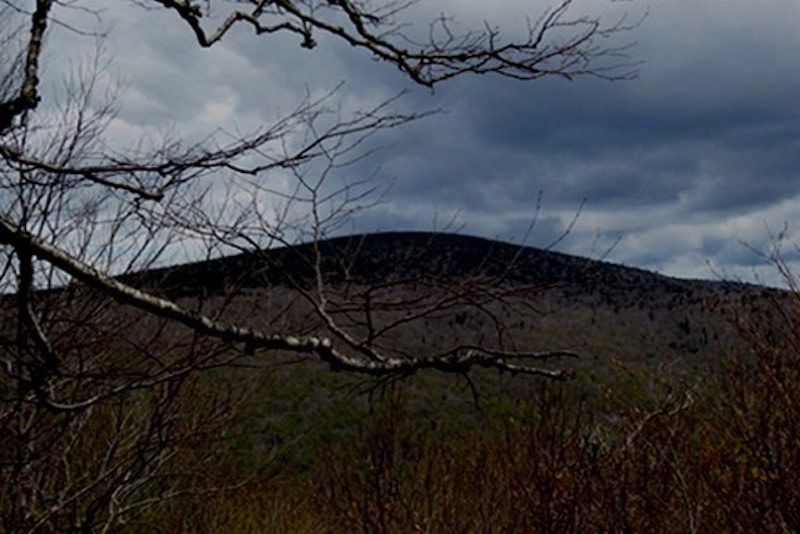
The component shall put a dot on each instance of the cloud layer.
(698, 154)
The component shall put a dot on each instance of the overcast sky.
(698, 154)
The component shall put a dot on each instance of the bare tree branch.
(252, 338)
(545, 51)
(28, 97)
(103, 404)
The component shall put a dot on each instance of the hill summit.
(377, 257)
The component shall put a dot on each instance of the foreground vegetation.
(646, 446)
(654, 449)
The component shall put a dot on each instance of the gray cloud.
(702, 151)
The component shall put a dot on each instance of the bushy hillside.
(598, 308)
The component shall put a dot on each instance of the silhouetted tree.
(99, 395)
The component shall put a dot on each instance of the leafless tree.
(94, 361)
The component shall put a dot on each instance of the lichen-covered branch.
(254, 339)
(28, 97)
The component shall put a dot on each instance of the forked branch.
(252, 338)
(558, 44)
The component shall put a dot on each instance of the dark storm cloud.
(702, 151)
(705, 142)
(602, 141)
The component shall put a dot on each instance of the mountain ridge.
(377, 257)
(594, 306)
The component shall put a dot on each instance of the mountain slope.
(368, 258)
(596, 307)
